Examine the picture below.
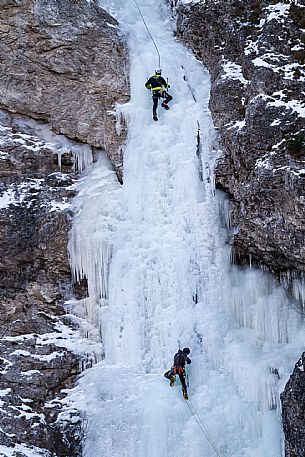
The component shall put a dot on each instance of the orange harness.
(178, 370)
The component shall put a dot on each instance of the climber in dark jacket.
(158, 86)
(180, 359)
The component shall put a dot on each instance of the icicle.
(90, 247)
(298, 288)
(82, 156)
(258, 302)
(224, 206)
(122, 116)
(294, 283)
(59, 155)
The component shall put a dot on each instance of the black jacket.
(156, 83)
(181, 359)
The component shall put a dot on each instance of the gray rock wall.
(293, 401)
(255, 53)
(35, 364)
(63, 62)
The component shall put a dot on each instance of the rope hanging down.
(203, 429)
(159, 63)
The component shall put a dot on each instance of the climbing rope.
(202, 427)
(159, 63)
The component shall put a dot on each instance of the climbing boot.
(155, 118)
(165, 105)
(185, 395)
(172, 381)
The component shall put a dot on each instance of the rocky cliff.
(293, 400)
(63, 69)
(255, 52)
(64, 63)
(34, 283)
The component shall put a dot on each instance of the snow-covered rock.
(38, 359)
(255, 53)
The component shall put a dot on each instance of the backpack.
(179, 359)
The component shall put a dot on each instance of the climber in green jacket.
(158, 86)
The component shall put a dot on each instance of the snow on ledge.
(233, 71)
(288, 69)
(42, 357)
(295, 105)
(15, 195)
(23, 449)
(59, 206)
(298, 106)
(4, 392)
(8, 198)
(278, 11)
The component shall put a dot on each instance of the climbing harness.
(178, 370)
(159, 65)
(202, 427)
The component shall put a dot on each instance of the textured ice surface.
(155, 256)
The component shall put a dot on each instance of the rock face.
(63, 67)
(255, 53)
(293, 400)
(63, 62)
(35, 365)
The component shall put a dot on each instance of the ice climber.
(178, 368)
(158, 86)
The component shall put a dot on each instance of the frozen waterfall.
(155, 255)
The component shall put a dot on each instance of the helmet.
(186, 350)
(158, 71)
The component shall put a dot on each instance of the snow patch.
(295, 105)
(297, 47)
(237, 125)
(28, 451)
(17, 194)
(5, 364)
(4, 392)
(233, 71)
(30, 373)
(59, 206)
(4, 155)
(42, 357)
(8, 198)
(288, 70)
(278, 11)
(275, 123)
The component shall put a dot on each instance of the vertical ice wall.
(155, 256)
(97, 210)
